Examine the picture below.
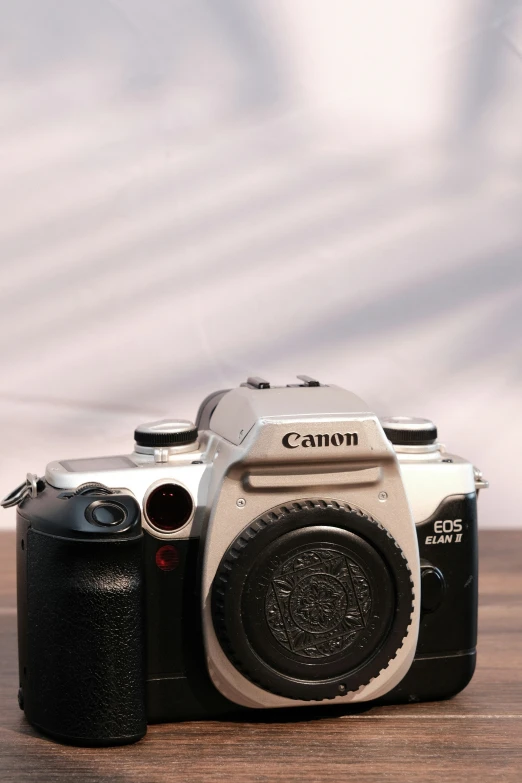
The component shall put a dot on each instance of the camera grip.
(82, 653)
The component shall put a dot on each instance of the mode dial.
(409, 431)
(165, 433)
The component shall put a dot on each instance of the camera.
(289, 549)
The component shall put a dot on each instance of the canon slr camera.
(290, 549)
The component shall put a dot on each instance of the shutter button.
(105, 514)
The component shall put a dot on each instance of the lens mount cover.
(312, 600)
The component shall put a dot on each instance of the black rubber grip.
(83, 677)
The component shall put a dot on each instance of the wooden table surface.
(476, 736)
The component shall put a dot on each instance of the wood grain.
(476, 736)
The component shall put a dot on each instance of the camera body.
(290, 549)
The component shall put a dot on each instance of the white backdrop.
(193, 191)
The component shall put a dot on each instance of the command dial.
(165, 433)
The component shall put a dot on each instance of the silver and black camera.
(289, 549)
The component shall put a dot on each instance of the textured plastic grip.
(84, 674)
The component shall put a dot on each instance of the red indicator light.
(167, 558)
